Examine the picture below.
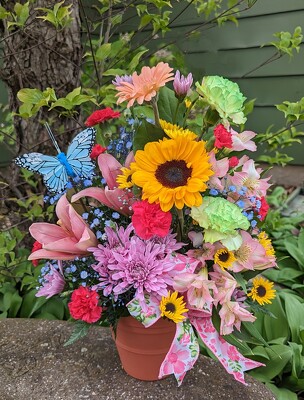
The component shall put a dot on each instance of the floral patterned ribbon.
(184, 349)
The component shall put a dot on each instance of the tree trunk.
(38, 56)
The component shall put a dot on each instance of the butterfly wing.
(78, 154)
(53, 172)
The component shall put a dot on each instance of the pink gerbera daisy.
(145, 85)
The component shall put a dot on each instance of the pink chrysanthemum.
(133, 263)
(53, 282)
(145, 85)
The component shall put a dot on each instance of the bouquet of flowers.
(171, 227)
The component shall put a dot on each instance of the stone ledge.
(34, 365)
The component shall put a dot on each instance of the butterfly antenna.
(51, 135)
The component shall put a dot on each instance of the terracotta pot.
(142, 350)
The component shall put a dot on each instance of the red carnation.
(263, 209)
(96, 150)
(223, 138)
(36, 246)
(233, 162)
(149, 220)
(99, 116)
(84, 305)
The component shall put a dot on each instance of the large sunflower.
(262, 291)
(172, 172)
(173, 130)
(173, 307)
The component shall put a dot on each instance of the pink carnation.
(84, 305)
(149, 220)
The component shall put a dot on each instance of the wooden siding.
(233, 51)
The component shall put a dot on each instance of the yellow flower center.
(251, 183)
(243, 253)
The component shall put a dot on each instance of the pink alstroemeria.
(118, 199)
(250, 178)
(250, 255)
(70, 238)
(232, 315)
(53, 282)
(220, 169)
(241, 141)
(202, 251)
(225, 283)
(198, 287)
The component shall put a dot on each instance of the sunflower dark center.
(261, 291)
(173, 173)
(223, 257)
(170, 307)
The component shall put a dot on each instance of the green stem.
(180, 228)
(156, 113)
(175, 114)
(188, 111)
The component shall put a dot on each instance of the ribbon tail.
(228, 355)
(182, 354)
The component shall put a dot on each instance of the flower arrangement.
(171, 227)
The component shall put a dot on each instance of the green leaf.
(114, 72)
(297, 359)
(276, 327)
(294, 313)
(53, 306)
(135, 60)
(3, 13)
(281, 393)
(16, 301)
(167, 104)
(145, 133)
(279, 356)
(291, 245)
(64, 103)
(31, 96)
(103, 51)
(70, 96)
(80, 330)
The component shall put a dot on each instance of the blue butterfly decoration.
(56, 170)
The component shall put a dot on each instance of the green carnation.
(224, 96)
(220, 218)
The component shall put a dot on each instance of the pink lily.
(70, 238)
(232, 315)
(241, 141)
(118, 199)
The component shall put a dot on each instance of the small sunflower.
(224, 258)
(125, 179)
(172, 172)
(174, 131)
(262, 291)
(266, 243)
(173, 307)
